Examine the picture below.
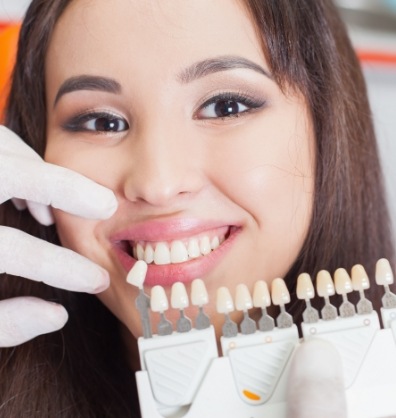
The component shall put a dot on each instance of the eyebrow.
(88, 82)
(214, 65)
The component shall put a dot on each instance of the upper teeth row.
(177, 251)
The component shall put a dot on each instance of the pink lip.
(166, 275)
(165, 231)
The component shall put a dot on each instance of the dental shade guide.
(159, 303)
(262, 299)
(225, 305)
(199, 297)
(343, 284)
(305, 291)
(360, 283)
(182, 374)
(244, 302)
(136, 277)
(179, 300)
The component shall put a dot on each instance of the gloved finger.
(27, 256)
(12, 144)
(24, 175)
(24, 318)
(315, 386)
(42, 213)
(20, 204)
(56, 186)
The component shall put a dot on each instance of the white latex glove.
(315, 386)
(25, 176)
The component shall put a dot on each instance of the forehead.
(108, 36)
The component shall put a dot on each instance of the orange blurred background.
(8, 44)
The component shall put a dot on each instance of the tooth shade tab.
(360, 280)
(179, 297)
(279, 293)
(383, 272)
(158, 300)
(224, 302)
(342, 281)
(343, 285)
(199, 294)
(137, 274)
(305, 288)
(261, 295)
(243, 299)
(384, 277)
(324, 284)
(305, 291)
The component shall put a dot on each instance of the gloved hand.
(36, 184)
(315, 386)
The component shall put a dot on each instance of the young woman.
(236, 137)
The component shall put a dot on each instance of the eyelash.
(250, 103)
(75, 124)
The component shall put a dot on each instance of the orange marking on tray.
(250, 395)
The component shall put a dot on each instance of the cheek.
(94, 162)
(269, 177)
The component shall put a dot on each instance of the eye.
(227, 105)
(100, 122)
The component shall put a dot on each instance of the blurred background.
(372, 27)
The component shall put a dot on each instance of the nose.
(165, 168)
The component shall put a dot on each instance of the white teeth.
(178, 252)
(149, 254)
(324, 284)
(279, 292)
(158, 299)
(360, 280)
(383, 272)
(204, 246)
(179, 297)
(261, 295)
(139, 252)
(193, 249)
(137, 274)
(162, 254)
(243, 300)
(215, 243)
(305, 289)
(224, 303)
(342, 281)
(199, 294)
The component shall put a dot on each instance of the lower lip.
(166, 275)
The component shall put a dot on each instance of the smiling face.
(172, 106)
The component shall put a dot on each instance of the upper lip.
(159, 230)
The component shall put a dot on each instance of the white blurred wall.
(382, 94)
(12, 9)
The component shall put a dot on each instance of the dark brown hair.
(81, 371)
